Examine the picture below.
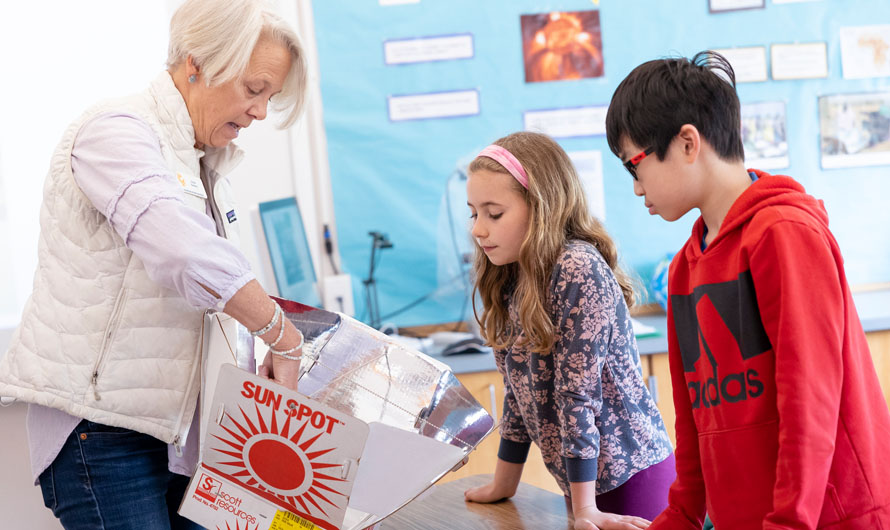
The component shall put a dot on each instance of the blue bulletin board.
(390, 175)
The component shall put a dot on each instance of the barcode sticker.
(287, 521)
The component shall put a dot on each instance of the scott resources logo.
(208, 488)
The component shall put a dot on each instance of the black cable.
(329, 248)
(379, 242)
(421, 299)
(401, 310)
(370, 287)
(460, 261)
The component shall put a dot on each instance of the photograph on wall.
(764, 136)
(722, 6)
(855, 129)
(561, 46)
(865, 51)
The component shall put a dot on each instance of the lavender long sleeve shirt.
(118, 164)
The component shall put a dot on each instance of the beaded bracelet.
(275, 317)
(287, 354)
(280, 336)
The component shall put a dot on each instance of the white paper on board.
(568, 122)
(589, 165)
(799, 61)
(865, 51)
(435, 105)
(748, 63)
(426, 49)
(733, 5)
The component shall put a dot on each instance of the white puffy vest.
(98, 338)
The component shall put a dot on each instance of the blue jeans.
(111, 478)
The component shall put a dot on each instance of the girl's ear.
(690, 142)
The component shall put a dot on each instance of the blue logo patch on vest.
(230, 215)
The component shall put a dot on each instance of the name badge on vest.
(191, 185)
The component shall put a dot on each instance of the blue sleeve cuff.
(513, 452)
(579, 470)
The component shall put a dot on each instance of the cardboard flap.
(396, 466)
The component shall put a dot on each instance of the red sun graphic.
(280, 466)
(238, 526)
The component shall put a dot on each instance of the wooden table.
(445, 509)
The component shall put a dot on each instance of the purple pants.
(643, 495)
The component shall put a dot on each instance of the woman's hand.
(283, 371)
(487, 493)
(590, 518)
(251, 306)
(278, 368)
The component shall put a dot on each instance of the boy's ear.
(690, 141)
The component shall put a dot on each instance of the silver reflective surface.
(244, 350)
(366, 374)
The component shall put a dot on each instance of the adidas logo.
(730, 389)
(727, 312)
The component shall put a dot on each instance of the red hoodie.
(781, 422)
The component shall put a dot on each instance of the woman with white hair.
(136, 242)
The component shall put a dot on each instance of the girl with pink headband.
(555, 310)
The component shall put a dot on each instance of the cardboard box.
(374, 425)
(271, 451)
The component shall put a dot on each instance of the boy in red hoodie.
(781, 422)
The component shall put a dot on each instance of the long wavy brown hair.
(558, 213)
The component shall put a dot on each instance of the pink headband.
(506, 159)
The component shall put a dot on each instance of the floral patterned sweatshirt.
(584, 403)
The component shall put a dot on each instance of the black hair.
(658, 97)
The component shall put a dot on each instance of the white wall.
(58, 57)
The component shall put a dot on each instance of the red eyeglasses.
(631, 165)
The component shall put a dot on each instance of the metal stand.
(378, 241)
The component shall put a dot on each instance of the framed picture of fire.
(562, 45)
